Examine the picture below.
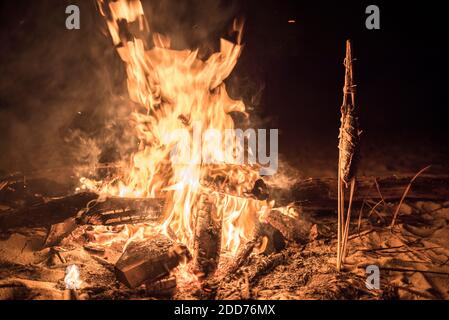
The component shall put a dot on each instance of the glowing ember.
(72, 278)
(180, 93)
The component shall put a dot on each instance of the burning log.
(149, 260)
(114, 211)
(319, 194)
(253, 187)
(47, 213)
(207, 241)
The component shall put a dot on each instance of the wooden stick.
(348, 220)
(340, 222)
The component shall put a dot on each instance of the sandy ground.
(412, 257)
(413, 260)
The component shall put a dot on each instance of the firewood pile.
(291, 254)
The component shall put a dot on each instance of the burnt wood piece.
(272, 240)
(114, 211)
(149, 260)
(320, 194)
(275, 243)
(57, 232)
(216, 180)
(161, 288)
(242, 257)
(260, 190)
(87, 209)
(207, 239)
(266, 264)
(238, 285)
(47, 213)
(293, 229)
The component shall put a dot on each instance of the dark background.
(60, 89)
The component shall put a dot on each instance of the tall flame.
(178, 92)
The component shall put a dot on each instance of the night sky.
(291, 73)
(401, 69)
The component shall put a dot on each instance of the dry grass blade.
(407, 189)
(387, 209)
(359, 222)
(373, 209)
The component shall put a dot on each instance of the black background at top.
(401, 69)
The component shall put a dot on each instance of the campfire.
(200, 207)
(188, 174)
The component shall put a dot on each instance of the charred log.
(293, 229)
(45, 214)
(57, 232)
(114, 211)
(266, 239)
(260, 190)
(252, 187)
(149, 260)
(266, 264)
(242, 256)
(238, 286)
(87, 209)
(270, 238)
